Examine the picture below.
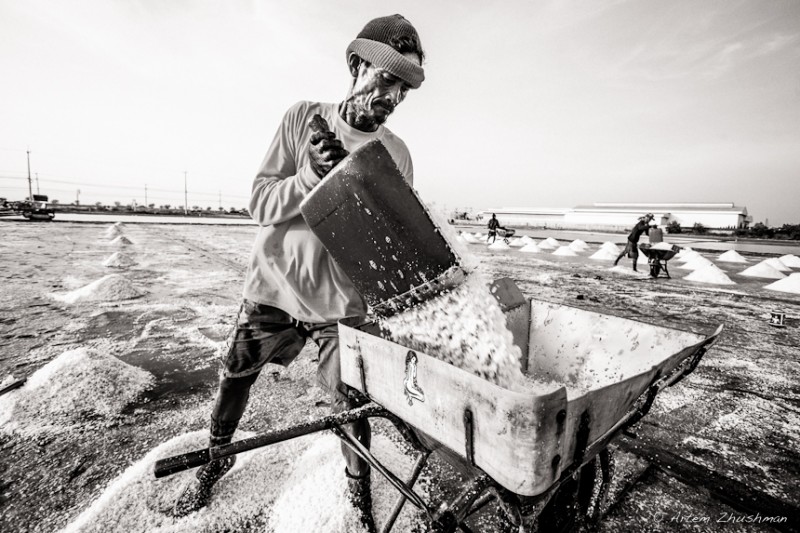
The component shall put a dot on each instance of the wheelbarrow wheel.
(655, 268)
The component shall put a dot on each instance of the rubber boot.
(361, 498)
(198, 493)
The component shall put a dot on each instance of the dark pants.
(632, 250)
(266, 334)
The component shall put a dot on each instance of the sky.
(525, 103)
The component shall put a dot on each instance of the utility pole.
(37, 183)
(78, 197)
(30, 186)
(220, 199)
(145, 195)
(185, 195)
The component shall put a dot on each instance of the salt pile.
(319, 478)
(578, 245)
(76, 383)
(604, 254)
(122, 240)
(517, 243)
(732, 256)
(777, 264)
(465, 328)
(763, 270)
(531, 248)
(696, 263)
(112, 232)
(661, 246)
(611, 247)
(566, 251)
(791, 261)
(549, 243)
(109, 288)
(790, 284)
(688, 256)
(119, 260)
(526, 239)
(710, 274)
(499, 245)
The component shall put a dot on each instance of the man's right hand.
(325, 152)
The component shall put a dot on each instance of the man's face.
(376, 92)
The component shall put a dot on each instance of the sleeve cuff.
(307, 177)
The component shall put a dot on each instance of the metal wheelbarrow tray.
(525, 441)
(657, 259)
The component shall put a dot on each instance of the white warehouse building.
(621, 216)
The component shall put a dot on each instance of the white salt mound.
(566, 251)
(790, 284)
(318, 480)
(791, 261)
(531, 248)
(119, 260)
(710, 274)
(732, 256)
(526, 239)
(763, 270)
(603, 254)
(610, 246)
(465, 328)
(499, 245)
(122, 240)
(696, 263)
(517, 243)
(137, 501)
(109, 288)
(551, 242)
(777, 264)
(688, 256)
(112, 232)
(578, 245)
(76, 383)
(661, 246)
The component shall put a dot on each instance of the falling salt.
(465, 328)
(373, 265)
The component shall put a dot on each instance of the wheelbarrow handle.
(179, 463)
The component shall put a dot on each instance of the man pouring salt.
(632, 247)
(294, 291)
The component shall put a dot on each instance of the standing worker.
(293, 289)
(632, 247)
(493, 225)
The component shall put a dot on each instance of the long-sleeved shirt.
(289, 267)
(637, 231)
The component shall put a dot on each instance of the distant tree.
(117, 204)
(98, 204)
(54, 201)
(221, 209)
(674, 227)
(699, 229)
(195, 208)
(760, 229)
(233, 210)
(167, 207)
(792, 231)
(151, 206)
(208, 208)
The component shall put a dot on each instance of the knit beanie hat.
(372, 45)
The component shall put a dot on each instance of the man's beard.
(359, 115)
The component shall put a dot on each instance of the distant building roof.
(727, 207)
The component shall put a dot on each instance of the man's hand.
(325, 152)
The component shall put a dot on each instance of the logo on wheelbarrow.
(411, 388)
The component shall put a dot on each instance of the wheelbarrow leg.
(451, 517)
(422, 460)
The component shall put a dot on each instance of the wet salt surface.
(51, 497)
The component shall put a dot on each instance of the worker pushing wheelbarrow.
(538, 453)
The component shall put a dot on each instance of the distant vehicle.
(36, 209)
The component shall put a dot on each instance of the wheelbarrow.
(657, 257)
(541, 455)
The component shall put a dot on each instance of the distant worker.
(493, 225)
(632, 248)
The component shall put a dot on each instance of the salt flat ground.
(737, 416)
